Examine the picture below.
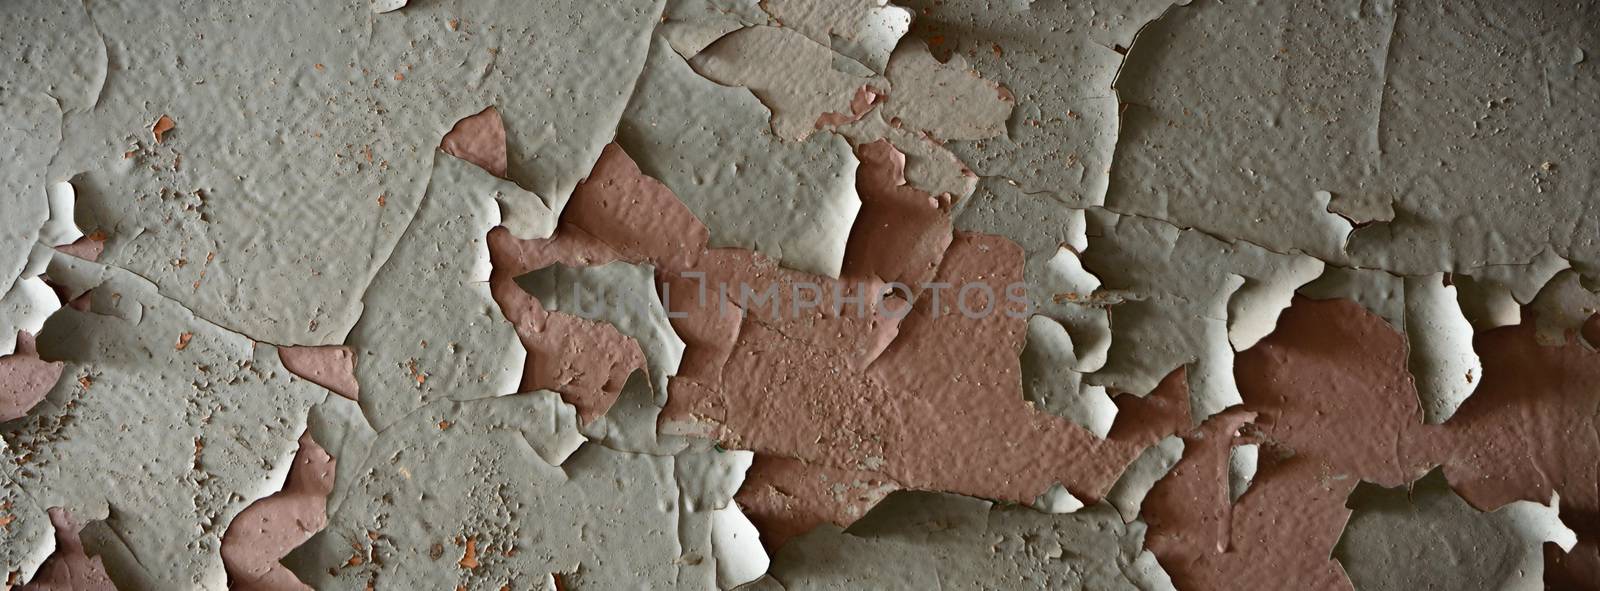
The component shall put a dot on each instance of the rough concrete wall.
(799, 294)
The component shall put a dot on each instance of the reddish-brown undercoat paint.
(479, 139)
(25, 379)
(785, 497)
(332, 367)
(849, 394)
(69, 568)
(87, 248)
(271, 527)
(586, 362)
(864, 100)
(1336, 406)
(901, 233)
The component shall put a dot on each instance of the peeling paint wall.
(800, 294)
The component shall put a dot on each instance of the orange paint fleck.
(183, 341)
(161, 127)
(469, 560)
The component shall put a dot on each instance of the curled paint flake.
(1442, 358)
(1423, 534)
(382, 6)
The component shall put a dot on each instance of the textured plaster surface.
(799, 294)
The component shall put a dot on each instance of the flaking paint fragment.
(1493, 296)
(737, 547)
(162, 126)
(69, 567)
(306, 137)
(1446, 368)
(60, 229)
(25, 379)
(1057, 500)
(946, 100)
(1053, 237)
(333, 368)
(800, 93)
(1337, 405)
(691, 25)
(622, 295)
(1243, 460)
(1562, 307)
(595, 516)
(1169, 312)
(863, 31)
(219, 419)
(1379, 144)
(429, 328)
(795, 202)
(931, 541)
(1254, 308)
(1050, 382)
(1359, 209)
(629, 425)
(479, 139)
(1135, 483)
(382, 6)
(1058, 61)
(30, 301)
(268, 529)
(1425, 535)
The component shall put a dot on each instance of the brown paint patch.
(586, 362)
(639, 218)
(479, 139)
(1337, 406)
(70, 568)
(941, 409)
(1332, 393)
(88, 247)
(845, 394)
(616, 213)
(25, 379)
(469, 556)
(332, 367)
(269, 528)
(901, 233)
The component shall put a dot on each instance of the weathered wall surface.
(799, 294)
